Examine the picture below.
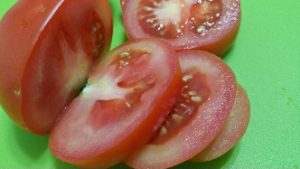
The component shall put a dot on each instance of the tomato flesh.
(209, 25)
(119, 110)
(205, 15)
(193, 94)
(56, 42)
(235, 128)
(199, 114)
(158, 22)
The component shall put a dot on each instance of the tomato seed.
(17, 92)
(192, 93)
(128, 104)
(163, 130)
(187, 78)
(201, 29)
(196, 99)
(96, 26)
(177, 118)
(125, 54)
(148, 9)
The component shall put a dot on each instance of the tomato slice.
(126, 98)
(210, 25)
(46, 50)
(234, 129)
(198, 115)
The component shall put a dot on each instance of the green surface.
(266, 60)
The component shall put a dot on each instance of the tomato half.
(126, 98)
(235, 128)
(46, 50)
(210, 25)
(198, 115)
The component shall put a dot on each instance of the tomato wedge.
(126, 98)
(46, 50)
(234, 129)
(198, 115)
(210, 25)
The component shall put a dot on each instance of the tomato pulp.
(125, 100)
(46, 50)
(210, 25)
(197, 117)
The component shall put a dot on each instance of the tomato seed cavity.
(164, 18)
(193, 94)
(96, 30)
(204, 15)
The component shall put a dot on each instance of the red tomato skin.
(13, 61)
(195, 136)
(218, 44)
(20, 30)
(138, 136)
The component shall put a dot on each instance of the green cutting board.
(266, 61)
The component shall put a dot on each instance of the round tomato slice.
(46, 50)
(234, 129)
(198, 115)
(126, 98)
(210, 25)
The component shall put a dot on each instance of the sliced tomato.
(234, 129)
(198, 115)
(210, 25)
(126, 98)
(46, 50)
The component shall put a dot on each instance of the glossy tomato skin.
(218, 40)
(94, 132)
(25, 52)
(206, 121)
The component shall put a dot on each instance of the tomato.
(210, 25)
(198, 115)
(126, 98)
(234, 129)
(46, 50)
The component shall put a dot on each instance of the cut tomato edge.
(207, 154)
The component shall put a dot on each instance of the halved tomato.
(210, 25)
(46, 50)
(234, 129)
(126, 98)
(198, 115)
